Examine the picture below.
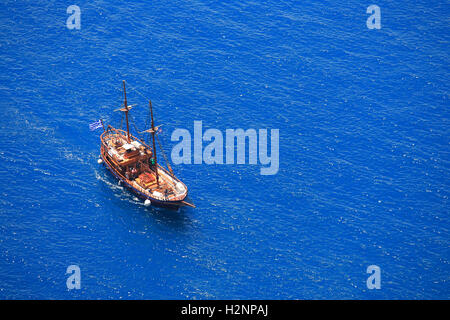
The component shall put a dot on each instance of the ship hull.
(173, 205)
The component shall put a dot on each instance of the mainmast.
(126, 111)
(154, 146)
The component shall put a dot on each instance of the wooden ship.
(134, 163)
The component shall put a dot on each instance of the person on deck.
(133, 172)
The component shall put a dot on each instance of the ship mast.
(154, 146)
(126, 111)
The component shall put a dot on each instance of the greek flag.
(95, 125)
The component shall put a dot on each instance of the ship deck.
(131, 162)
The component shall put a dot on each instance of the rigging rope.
(164, 155)
(137, 131)
(147, 121)
(138, 92)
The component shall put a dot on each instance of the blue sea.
(364, 156)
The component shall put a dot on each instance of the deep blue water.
(364, 149)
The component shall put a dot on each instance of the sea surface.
(363, 116)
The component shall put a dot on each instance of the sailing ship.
(134, 163)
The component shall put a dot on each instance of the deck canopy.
(128, 147)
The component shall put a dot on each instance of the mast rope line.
(164, 155)
(157, 136)
(134, 125)
(130, 116)
(143, 96)
(138, 92)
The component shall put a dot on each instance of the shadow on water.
(125, 200)
(175, 219)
